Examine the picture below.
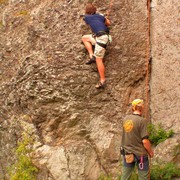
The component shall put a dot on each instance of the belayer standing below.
(100, 37)
(135, 146)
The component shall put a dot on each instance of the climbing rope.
(147, 61)
(147, 74)
(147, 54)
(149, 173)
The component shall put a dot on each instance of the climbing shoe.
(100, 85)
(92, 60)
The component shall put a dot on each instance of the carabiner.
(141, 165)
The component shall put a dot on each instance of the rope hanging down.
(147, 73)
(147, 61)
(147, 54)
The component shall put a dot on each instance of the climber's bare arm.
(107, 22)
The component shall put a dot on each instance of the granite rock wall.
(165, 74)
(46, 85)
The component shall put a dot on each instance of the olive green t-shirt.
(134, 131)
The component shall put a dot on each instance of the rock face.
(165, 64)
(46, 84)
(165, 75)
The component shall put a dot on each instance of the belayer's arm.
(147, 145)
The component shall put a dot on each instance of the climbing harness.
(101, 33)
(102, 45)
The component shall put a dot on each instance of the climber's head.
(137, 105)
(90, 9)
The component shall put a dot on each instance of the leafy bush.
(165, 171)
(104, 177)
(23, 169)
(158, 134)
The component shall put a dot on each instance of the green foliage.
(158, 134)
(23, 169)
(104, 177)
(165, 171)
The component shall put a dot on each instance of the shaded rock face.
(165, 75)
(45, 83)
(165, 92)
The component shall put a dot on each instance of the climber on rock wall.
(100, 37)
(135, 146)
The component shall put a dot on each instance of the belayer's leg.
(127, 169)
(143, 167)
(126, 173)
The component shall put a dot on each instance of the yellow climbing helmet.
(136, 102)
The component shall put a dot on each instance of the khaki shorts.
(99, 51)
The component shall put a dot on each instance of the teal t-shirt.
(134, 131)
